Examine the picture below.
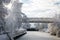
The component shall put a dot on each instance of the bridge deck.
(40, 20)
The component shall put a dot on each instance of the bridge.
(39, 20)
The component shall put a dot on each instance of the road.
(34, 35)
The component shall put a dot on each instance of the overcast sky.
(40, 8)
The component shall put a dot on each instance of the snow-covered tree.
(25, 24)
(3, 13)
(55, 27)
(14, 19)
(41, 26)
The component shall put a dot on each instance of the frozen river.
(34, 35)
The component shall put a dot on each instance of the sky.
(40, 8)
